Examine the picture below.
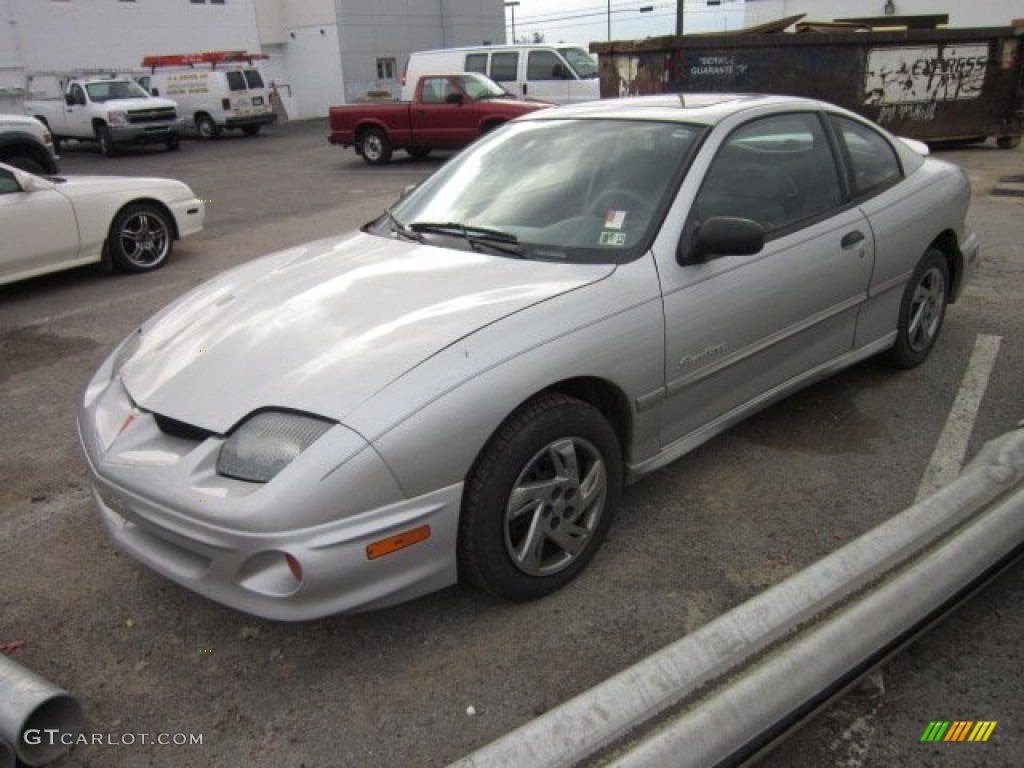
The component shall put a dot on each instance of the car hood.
(322, 327)
(136, 105)
(77, 186)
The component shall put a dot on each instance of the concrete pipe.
(38, 720)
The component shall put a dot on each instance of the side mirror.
(453, 98)
(720, 236)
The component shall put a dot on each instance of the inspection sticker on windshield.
(613, 238)
(614, 219)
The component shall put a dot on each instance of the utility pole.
(679, 16)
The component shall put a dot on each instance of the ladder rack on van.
(212, 58)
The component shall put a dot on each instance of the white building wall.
(987, 13)
(377, 29)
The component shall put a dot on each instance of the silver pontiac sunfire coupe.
(460, 390)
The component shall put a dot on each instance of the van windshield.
(581, 62)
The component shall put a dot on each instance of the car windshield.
(481, 88)
(555, 189)
(581, 61)
(115, 89)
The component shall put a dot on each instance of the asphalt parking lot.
(424, 683)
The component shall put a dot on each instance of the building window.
(386, 69)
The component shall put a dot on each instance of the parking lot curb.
(722, 693)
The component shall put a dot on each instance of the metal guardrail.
(722, 693)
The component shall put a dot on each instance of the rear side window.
(504, 66)
(476, 62)
(253, 78)
(544, 65)
(873, 162)
(236, 81)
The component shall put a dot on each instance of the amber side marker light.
(399, 541)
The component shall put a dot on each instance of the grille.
(160, 115)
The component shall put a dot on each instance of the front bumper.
(146, 133)
(162, 502)
(243, 121)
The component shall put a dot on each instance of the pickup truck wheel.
(206, 127)
(418, 153)
(376, 149)
(251, 130)
(106, 140)
(140, 238)
(174, 142)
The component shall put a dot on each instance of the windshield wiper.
(495, 239)
(401, 230)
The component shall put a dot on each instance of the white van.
(559, 73)
(215, 90)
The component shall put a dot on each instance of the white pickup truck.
(110, 111)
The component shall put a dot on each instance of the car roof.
(700, 108)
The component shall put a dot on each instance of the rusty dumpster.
(929, 84)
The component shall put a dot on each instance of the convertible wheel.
(540, 498)
(376, 147)
(140, 238)
(921, 312)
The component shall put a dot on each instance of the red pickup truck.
(447, 112)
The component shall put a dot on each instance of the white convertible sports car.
(59, 222)
(461, 389)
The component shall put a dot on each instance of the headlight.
(266, 443)
(117, 117)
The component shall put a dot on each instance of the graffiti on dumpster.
(908, 83)
(717, 65)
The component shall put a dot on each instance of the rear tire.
(375, 147)
(539, 499)
(921, 311)
(140, 239)
(1008, 142)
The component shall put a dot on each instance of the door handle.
(851, 239)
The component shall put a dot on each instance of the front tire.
(140, 239)
(375, 147)
(174, 142)
(539, 499)
(106, 140)
(251, 130)
(921, 311)
(206, 127)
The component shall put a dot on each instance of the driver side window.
(778, 171)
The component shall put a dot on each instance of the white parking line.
(948, 457)
(104, 303)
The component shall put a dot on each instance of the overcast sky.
(584, 21)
